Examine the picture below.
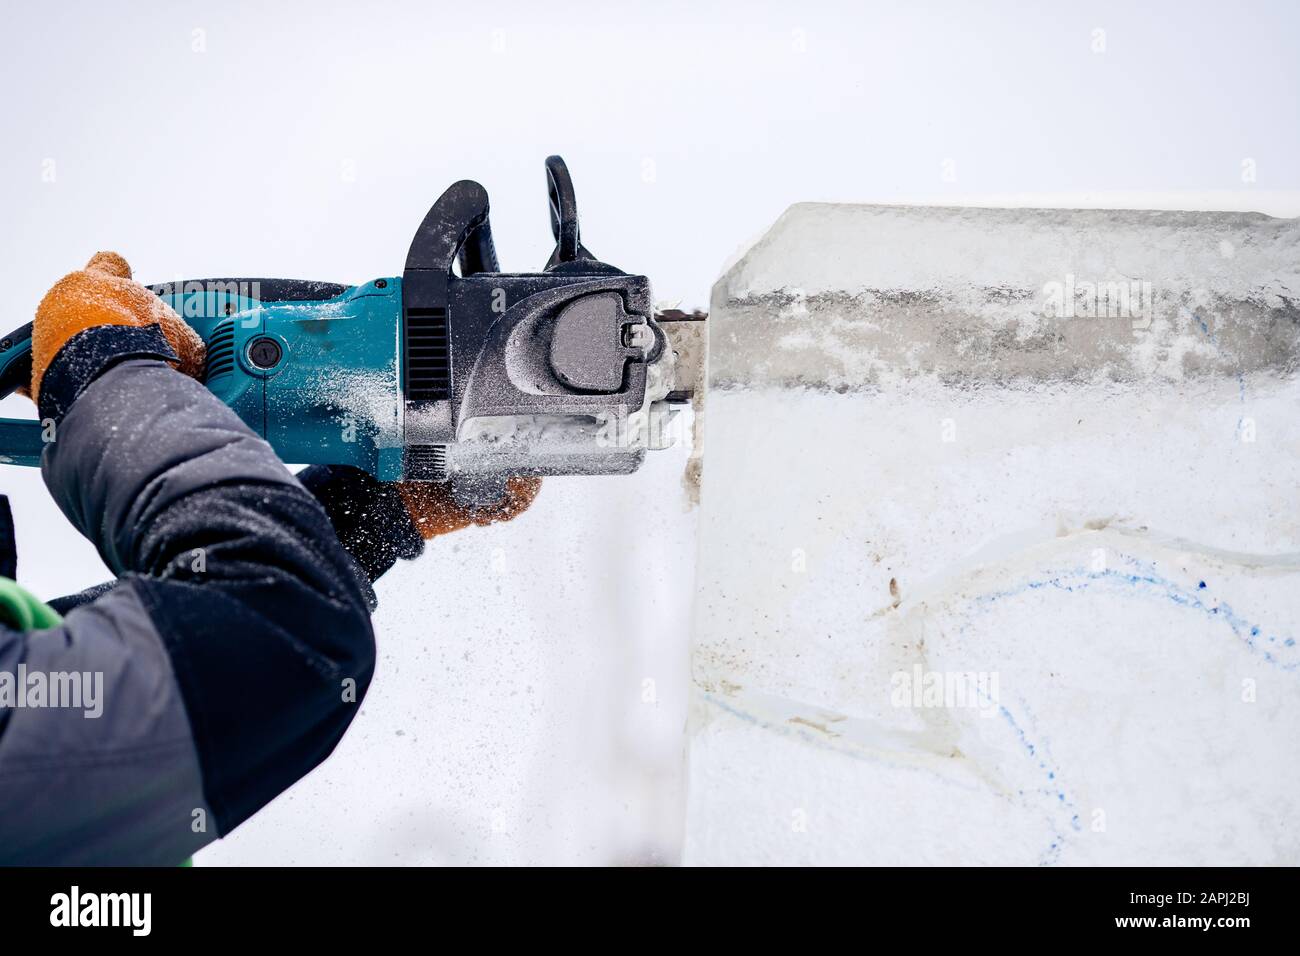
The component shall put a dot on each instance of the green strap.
(21, 610)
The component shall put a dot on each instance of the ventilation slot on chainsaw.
(426, 463)
(221, 352)
(428, 355)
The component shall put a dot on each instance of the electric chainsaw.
(456, 371)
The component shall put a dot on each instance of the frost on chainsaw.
(999, 557)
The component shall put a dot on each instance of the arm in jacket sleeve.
(379, 522)
(233, 651)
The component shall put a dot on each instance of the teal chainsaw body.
(317, 378)
(452, 371)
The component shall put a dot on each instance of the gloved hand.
(103, 295)
(380, 522)
(434, 510)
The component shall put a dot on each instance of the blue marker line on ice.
(1148, 580)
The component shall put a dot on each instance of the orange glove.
(103, 294)
(435, 511)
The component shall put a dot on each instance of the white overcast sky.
(308, 139)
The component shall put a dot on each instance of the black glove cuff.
(89, 354)
(368, 516)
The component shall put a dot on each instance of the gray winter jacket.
(231, 653)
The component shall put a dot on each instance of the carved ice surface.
(1000, 553)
